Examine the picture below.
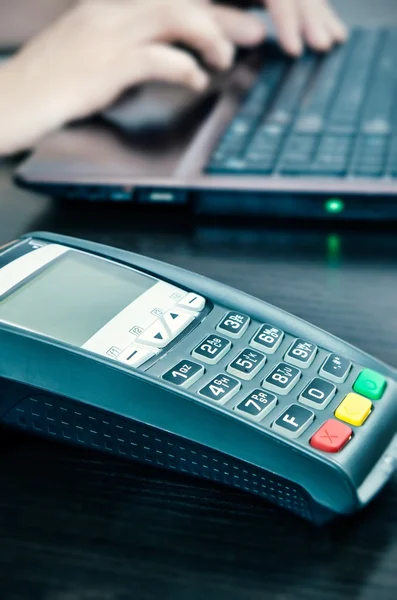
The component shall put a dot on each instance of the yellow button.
(354, 409)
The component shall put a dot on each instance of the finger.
(160, 62)
(286, 19)
(193, 24)
(334, 24)
(241, 28)
(313, 24)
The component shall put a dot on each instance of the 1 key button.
(370, 384)
(221, 388)
(336, 368)
(247, 364)
(293, 421)
(332, 436)
(282, 379)
(301, 354)
(234, 324)
(257, 404)
(212, 349)
(184, 374)
(354, 409)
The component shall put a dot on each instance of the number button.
(247, 364)
(212, 349)
(221, 388)
(293, 421)
(184, 374)
(267, 339)
(335, 368)
(301, 354)
(282, 379)
(257, 405)
(234, 324)
(318, 394)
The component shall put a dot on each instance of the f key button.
(293, 421)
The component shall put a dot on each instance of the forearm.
(21, 19)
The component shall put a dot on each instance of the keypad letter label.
(301, 353)
(247, 364)
(257, 404)
(234, 324)
(212, 349)
(267, 339)
(221, 388)
(282, 379)
(184, 374)
(293, 421)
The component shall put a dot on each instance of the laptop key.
(291, 92)
(311, 116)
(352, 91)
(297, 153)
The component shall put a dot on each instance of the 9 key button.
(301, 354)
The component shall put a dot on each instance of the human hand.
(85, 60)
(313, 22)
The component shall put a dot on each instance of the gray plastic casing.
(61, 391)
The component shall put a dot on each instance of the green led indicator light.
(334, 206)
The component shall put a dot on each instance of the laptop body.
(314, 138)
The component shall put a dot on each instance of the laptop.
(311, 138)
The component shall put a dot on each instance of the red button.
(332, 436)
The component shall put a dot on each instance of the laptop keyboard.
(327, 116)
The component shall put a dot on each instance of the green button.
(370, 384)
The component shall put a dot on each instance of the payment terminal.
(114, 351)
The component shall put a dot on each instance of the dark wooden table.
(79, 526)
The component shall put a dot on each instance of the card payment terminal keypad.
(261, 374)
(284, 384)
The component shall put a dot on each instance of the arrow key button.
(156, 335)
(177, 320)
